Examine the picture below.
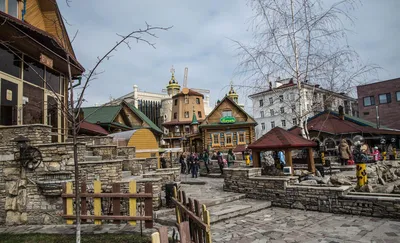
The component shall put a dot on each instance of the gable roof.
(279, 138)
(92, 128)
(191, 92)
(203, 123)
(105, 114)
(329, 122)
(144, 118)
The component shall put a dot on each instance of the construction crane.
(185, 80)
(185, 77)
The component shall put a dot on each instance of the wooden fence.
(115, 196)
(192, 220)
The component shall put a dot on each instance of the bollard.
(394, 153)
(361, 173)
(384, 155)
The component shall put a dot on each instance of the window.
(282, 110)
(293, 108)
(228, 139)
(294, 121)
(272, 124)
(12, 7)
(177, 129)
(385, 98)
(199, 114)
(52, 80)
(187, 129)
(215, 139)
(186, 114)
(272, 112)
(398, 95)
(186, 100)
(263, 126)
(283, 123)
(261, 102)
(33, 105)
(198, 101)
(9, 62)
(281, 98)
(368, 101)
(271, 101)
(242, 136)
(176, 101)
(31, 70)
(262, 114)
(226, 113)
(175, 115)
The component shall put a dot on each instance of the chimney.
(341, 113)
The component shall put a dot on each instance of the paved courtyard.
(290, 225)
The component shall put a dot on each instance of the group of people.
(346, 155)
(190, 162)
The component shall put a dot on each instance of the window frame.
(261, 103)
(198, 101)
(281, 98)
(175, 115)
(371, 99)
(272, 124)
(271, 101)
(282, 110)
(199, 114)
(175, 102)
(239, 135)
(388, 97)
(262, 115)
(294, 121)
(7, 6)
(283, 122)
(228, 135)
(186, 114)
(272, 111)
(223, 115)
(214, 137)
(397, 94)
(262, 126)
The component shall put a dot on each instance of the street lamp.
(360, 160)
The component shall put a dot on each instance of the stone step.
(236, 208)
(93, 158)
(88, 153)
(126, 174)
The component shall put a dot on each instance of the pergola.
(279, 139)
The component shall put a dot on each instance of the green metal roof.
(194, 120)
(227, 125)
(105, 114)
(144, 118)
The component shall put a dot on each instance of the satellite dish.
(185, 91)
(358, 140)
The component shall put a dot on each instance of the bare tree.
(71, 114)
(303, 40)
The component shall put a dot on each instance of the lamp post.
(360, 161)
(22, 145)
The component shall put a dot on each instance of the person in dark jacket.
(220, 162)
(206, 159)
(230, 158)
(183, 164)
(163, 162)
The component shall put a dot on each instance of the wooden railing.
(115, 196)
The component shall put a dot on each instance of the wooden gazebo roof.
(279, 138)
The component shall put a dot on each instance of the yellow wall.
(144, 139)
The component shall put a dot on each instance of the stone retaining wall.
(107, 152)
(128, 152)
(37, 133)
(285, 192)
(95, 140)
(139, 166)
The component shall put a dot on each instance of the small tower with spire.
(173, 87)
(233, 95)
(195, 122)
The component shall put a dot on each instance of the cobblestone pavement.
(280, 225)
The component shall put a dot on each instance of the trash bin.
(169, 193)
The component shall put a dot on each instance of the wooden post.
(69, 208)
(148, 205)
(184, 232)
(206, 220)
(163, 234)
(256, 158)
(132, 202)
(311, 164)
(178, 213)
(155, 237)
(198, 212)
(116, 202)
(97, 201)
(83, 201)
(288, 158)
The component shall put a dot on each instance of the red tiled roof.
(330, 123)
(279, 138)
(93, 128)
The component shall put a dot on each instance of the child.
(376, 154)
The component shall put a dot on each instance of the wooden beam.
(311, 164)
(288, 158)
(110, 217)
(104, 195)
(191, 215)
(256, 158)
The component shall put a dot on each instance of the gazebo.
(280, 139)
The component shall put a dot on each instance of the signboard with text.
(227, 120)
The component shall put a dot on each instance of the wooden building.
(34, 48)
(228, 126)
(118, 118)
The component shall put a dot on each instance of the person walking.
(183, 164)
(163, 162)
(344, 152)
(230, 158)
(206, 159)
(195, 167)
(190, 161)
(220, 162)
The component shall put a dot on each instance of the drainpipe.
(23, 11)
(79, 82)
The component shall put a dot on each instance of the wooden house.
(34, 53)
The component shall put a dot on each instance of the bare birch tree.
(303, 40)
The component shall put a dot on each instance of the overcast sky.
(200, 41)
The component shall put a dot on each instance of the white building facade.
(280, 105)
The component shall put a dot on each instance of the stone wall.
(107, 152)
(95, 140)
(286, 192)
(128, 152)
(175, 170)
(107, 171)
(139, 166)
(140, 185)
(37, 133)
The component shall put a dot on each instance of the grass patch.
(54, 238)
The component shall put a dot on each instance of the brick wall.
(388, 113)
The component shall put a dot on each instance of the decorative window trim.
(213, 136)
(226, 139)
(244, 138)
